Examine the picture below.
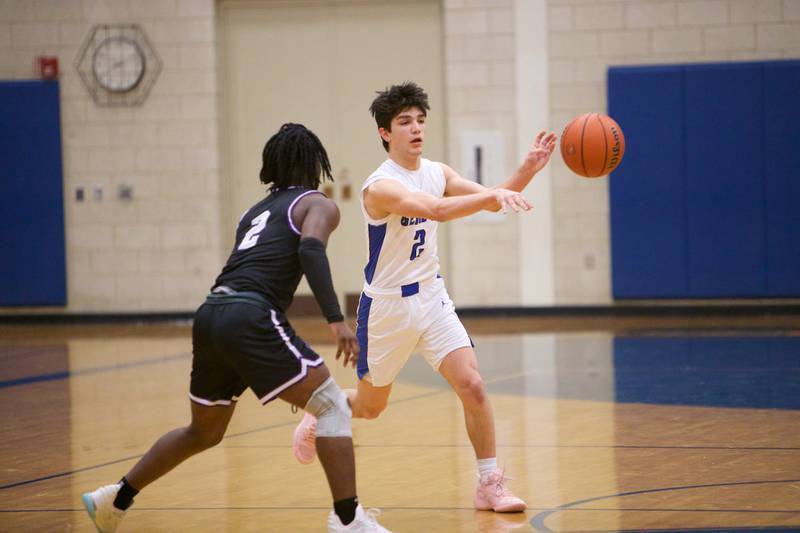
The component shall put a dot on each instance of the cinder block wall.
(480, 83)
(160, 251)
(588, 36)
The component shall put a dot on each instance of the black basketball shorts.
(239, 343)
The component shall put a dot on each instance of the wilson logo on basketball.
(615, 150)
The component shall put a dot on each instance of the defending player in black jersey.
(242, 339)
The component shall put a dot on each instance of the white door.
(320, 63)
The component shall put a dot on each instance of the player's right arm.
(317, 217)
(537, 157)
(387, 196)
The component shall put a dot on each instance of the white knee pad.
(329, 404)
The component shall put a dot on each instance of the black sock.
(346, 509)
(125, 495)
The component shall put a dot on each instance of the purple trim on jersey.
(376, 236)
(291, 206)
(362, 323)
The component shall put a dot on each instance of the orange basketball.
(592, 145)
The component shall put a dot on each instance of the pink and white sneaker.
(493, 495)
(305, 434)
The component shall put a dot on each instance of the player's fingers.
(539, 137)
(523, 203)
(512, 203)
(353, 349)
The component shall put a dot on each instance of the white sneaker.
(100, 506)
(364, 522)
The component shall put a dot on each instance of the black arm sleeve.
(315, 265)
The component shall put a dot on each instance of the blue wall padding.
(782, 173)
(653, 224)
(724, 163)
(709, 179)
(33, 268)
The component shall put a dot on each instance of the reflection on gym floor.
(663, 431)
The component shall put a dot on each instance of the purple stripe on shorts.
(304, 363)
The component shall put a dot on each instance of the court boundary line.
(576, 446)
(230, 436)
(537, 522)
(227, 436)
(55, 376)
(401, 508)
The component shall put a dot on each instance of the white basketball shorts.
(390, 328)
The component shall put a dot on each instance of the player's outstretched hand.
(346, 343)
(507, 199)
(540, 151)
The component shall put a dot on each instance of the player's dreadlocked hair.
(393, 101)
(294, 156)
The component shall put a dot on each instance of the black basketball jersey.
(264, 257)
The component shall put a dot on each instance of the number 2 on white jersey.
(251, 237)
(419, 240)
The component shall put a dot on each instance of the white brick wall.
(601, 16)
(159, 251)
(641, 14)
(703, 13)
(756, 11)
(479, 55)
(162, 250)
(586, 37)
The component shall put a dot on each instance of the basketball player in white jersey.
(404, 306)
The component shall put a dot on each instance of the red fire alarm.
(48, 67)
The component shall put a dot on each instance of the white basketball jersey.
(402, 250)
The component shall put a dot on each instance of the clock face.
(118, 64)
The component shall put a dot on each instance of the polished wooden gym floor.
(603, 425)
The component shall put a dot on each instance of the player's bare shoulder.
(318, 206)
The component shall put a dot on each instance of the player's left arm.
(535, 160)
(317, 217)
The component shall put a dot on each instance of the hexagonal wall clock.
(118, 65)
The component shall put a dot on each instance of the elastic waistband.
(404, 291)
(224, 295)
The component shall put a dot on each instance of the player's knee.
(472, 389)
(203, 438)
(329, 404)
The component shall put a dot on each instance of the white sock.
(486, 467)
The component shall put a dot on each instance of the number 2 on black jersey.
(251, 237)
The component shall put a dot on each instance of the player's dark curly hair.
(294, 156)
(393, 101)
